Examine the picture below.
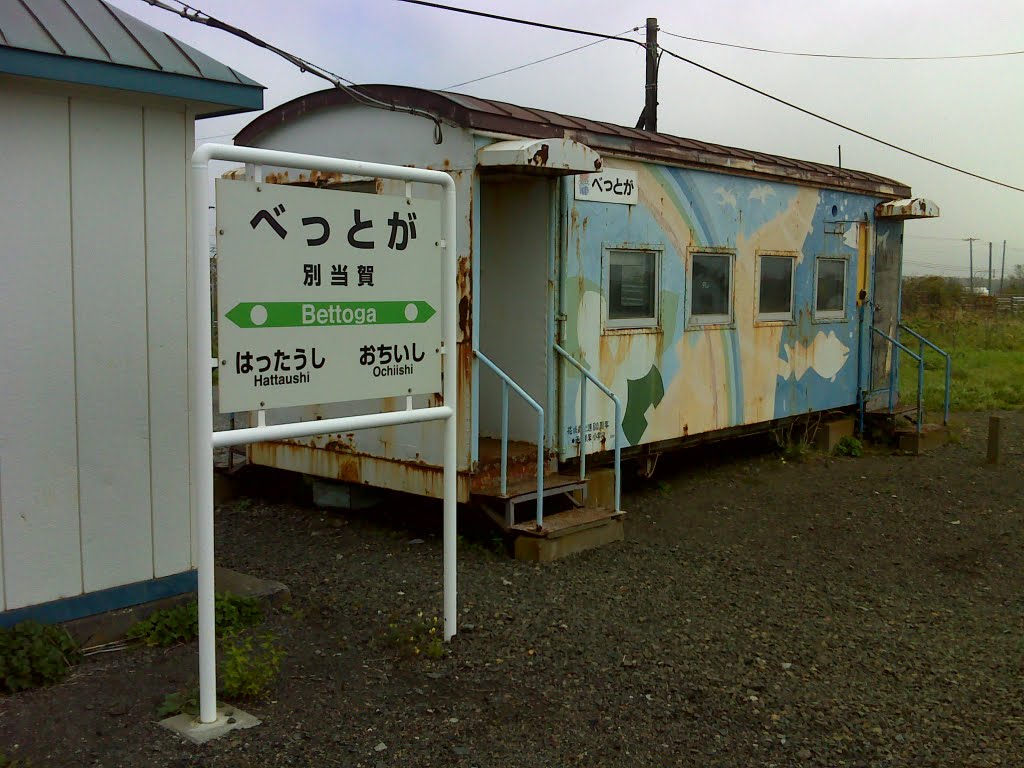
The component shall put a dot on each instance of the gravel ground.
(831, 612)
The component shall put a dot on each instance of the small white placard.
(612, 185)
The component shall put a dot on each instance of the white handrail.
(506, 382)
(583, 410)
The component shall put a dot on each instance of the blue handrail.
(587, 375)
(892, 377)
(506, 382)
(922, 342)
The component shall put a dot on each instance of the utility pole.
(651, 91)
(970, 243)
(989, 267)
(1002, 270)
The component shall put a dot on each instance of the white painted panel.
(513, 292)
(108, 243)
(38, 465)
(166, 257)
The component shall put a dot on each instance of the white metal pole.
(201, 434)
(450, 393)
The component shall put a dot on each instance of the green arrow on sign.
(312, 314)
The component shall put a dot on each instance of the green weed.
(180, 624)
(185, 701)
(33, 654)
(849, 446)
(250, 665)
(419, 637)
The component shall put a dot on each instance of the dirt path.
(835, 612)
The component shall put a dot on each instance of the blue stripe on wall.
(104, 600)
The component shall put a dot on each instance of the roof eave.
(515, 121)
(219, 97)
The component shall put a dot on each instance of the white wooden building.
(97, 125)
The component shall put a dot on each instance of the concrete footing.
(931, 436)
(831, 432)
(228, 719)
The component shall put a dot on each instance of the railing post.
(920, 392)
(540, 470)
(892, 378)
(585, 377)
(504, 436)
(949, 372)
(618, 451)
(583, 421)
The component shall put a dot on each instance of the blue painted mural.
(683, 374)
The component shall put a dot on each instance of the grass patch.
(988, 360)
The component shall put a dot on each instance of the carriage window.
(830, 288)
(631, 287)
(775, 290)
(711, 288)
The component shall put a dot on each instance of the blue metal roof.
(90, 42)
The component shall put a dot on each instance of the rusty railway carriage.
(714, 290)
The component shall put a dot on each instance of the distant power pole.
(970, 243)
(1002, 270)
(989, 267)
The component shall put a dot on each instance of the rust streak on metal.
(410, 477)
(465, 290)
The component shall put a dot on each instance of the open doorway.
(515, 237)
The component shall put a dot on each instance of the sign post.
(326, 296)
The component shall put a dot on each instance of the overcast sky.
(968, 113)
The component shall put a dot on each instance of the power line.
(526, 22)
(716, 73)
(538, 61)
(202, 17)
(844, 56)
(191, 13)
(837, 124)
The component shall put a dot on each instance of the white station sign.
(612, 185)
(325, 296)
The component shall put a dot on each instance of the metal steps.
(525, 490)
(569, 532)
(570, 521)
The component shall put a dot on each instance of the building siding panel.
(107, 194)
(166, 256)
(38, 463)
